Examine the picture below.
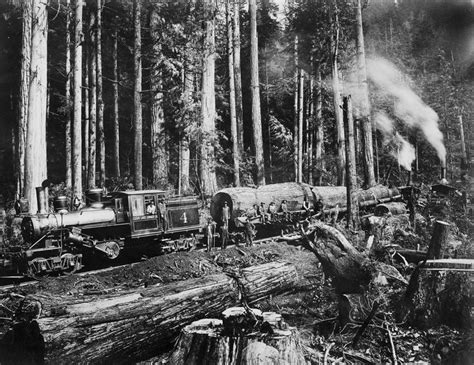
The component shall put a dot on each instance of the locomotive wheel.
(68, 262)
(37, 266)
(112, 249)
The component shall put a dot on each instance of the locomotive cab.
(143, 212)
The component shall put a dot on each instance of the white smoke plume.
(406, 152)
(408, 106)
(400, 148)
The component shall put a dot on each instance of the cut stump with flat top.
(439, 240)
(243, 336)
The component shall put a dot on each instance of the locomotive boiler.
(108, 226)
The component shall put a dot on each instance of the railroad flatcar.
(290, 202)
(107, 227)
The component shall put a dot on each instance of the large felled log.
(123, 327)
(241, 200)
(391, 207)
(335, 197)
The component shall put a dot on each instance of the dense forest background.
(418, 55)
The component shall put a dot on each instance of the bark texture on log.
(340, 260)
(328, 197)
(122, 327)
(351, 270)
(331, 197)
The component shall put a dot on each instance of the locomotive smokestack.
(409, 178)
(42, 199)
(443, 175)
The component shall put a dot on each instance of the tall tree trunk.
(86, 109)
(351, 170)
(295, 111)
(116, 154)
(255, 86)
(185, 153)
(269, 132)
(158, 138)
(91, 177)
(137, 102)
(100, 101)
(300, 123)
(369, 174)
(35, 152)
(233, 116)
(310, 125)
(24, 94)
(464, 159)
(318, 120)
(334, 44)
(208, 105)
(77, 121)
(238, 78)
(68, 148)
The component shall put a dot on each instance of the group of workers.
(269, 214)
(266, 215)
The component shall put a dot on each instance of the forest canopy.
(193, 96)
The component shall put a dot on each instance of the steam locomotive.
(106, 228)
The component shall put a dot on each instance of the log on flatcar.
(318, 198)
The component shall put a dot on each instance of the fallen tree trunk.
(339, 259)
(334, 198)
(351, 270)
(138, 324)
(393, 208)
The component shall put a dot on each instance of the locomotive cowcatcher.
(116, 225)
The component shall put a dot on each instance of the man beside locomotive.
(163, 214)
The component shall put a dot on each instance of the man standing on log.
(272, 209)
(262, 213)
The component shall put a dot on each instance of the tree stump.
(438, 240)
(243, 336)
(440, 292)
